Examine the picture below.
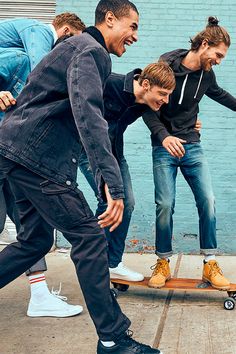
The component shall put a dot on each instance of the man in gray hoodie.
(176, 143)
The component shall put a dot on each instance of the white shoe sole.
(53, 313)
(123, 277)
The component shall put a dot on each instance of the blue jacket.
(23, 43)
(34, 37)
(59, 110)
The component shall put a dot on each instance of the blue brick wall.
(166, 25)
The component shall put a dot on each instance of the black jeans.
(41, 202)
(8, 207)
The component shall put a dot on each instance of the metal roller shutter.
(41, 10)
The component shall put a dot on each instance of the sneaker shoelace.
(159, 267)
(56, 293)
(215, 269)
(128, 340)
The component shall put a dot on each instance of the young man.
(23, 43)
(59, 111)
(126, 98)
(36, 38)
(177, 144)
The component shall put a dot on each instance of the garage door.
(40, 10)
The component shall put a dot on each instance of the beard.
(206, 63)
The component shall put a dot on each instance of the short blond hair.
(158, 74)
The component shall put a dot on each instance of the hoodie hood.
(174, 59)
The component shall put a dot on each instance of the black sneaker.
(127, 345)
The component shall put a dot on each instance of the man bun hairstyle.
(67, 18)
(158, 74)
(212, 21)
(119, 8)
(213, 34)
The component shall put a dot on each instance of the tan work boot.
(161, 273)
(214, 275)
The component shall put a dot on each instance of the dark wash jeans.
(41, 202)
(8, 207)
(115, 239)
(195, 170)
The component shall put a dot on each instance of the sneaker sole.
(52, 314)
(124, 278)
(227, 287)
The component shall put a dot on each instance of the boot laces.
(160, 267)
(139, 347)
(215, 269)
(56, 293)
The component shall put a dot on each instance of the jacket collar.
(96, 34)
(128, 85)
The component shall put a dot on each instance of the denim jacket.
(14, 69)
(23, 43)
(59, 110)
(34, 37)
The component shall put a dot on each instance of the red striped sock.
(36, 278)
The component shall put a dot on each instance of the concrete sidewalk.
(178, 323)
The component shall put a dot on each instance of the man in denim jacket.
(59, 111)
(23, 43)
(24, 37)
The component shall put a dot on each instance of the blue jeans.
(194, 168)
(115, 239)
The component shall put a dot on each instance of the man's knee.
(207, 204)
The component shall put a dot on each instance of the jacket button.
(68, 183)
(73, 160)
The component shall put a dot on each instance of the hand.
(198, 125)
(113, 213)
(6, 100)
(174, 146)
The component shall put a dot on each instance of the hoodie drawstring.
(199, 83)
(184, 84)
(182, 90)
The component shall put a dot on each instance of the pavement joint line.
(162, 321)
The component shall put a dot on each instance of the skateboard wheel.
(115, 292)
(229, 303)
(121, 287)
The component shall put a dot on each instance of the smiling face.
(123, 32)
(212, 55)
(155, 96)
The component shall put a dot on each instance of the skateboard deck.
(180, 284)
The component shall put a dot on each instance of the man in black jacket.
(177, 144)
(59, 111)
(126, 98)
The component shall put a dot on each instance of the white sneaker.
(124, 273)
(6, 237)
(52, 306)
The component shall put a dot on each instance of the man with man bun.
(176, 144)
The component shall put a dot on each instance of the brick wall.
(166, 25)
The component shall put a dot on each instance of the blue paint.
(166, 25)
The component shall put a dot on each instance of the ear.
(146, 84)
(110, 19)
(66, 30)
(204, 44)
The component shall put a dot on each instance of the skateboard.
(180, 284)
